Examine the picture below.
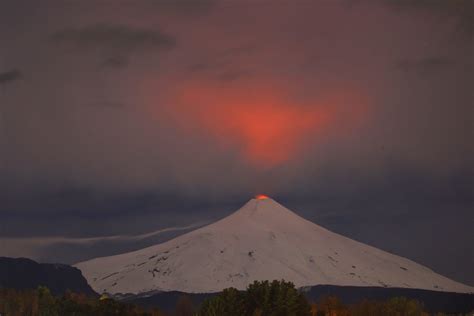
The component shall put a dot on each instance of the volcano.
(263, 240)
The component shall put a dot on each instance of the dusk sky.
(122, 118)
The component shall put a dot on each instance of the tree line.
(280, 298)
(41, 302)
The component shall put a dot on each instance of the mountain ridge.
(262, 240)
(23, 273)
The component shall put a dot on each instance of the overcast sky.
(124, 118)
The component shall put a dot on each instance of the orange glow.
(261, 197)
(264, 124)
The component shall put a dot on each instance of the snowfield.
(261, 241)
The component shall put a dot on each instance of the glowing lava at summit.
(261, 197)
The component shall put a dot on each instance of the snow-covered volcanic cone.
(261, 241)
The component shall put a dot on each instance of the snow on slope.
(261, 241)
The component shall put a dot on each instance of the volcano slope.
(263, 240)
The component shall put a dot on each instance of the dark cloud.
(117, 41)
(117, 62)
(222, 60)
(461, 10)
(241, 50)
(10, 76)
(184, 7)
(233, 75)
(426, 65)
(114, 36)
(213, 65)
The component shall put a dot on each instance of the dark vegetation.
(277, 298)
(41, 302)
(261, 298)
(433, 301)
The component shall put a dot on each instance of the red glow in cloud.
(268, 127)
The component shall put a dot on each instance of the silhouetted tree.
(229, 302)
(184, 306)
(46, 302)
(278, 298)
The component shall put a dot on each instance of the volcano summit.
(263, 240)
